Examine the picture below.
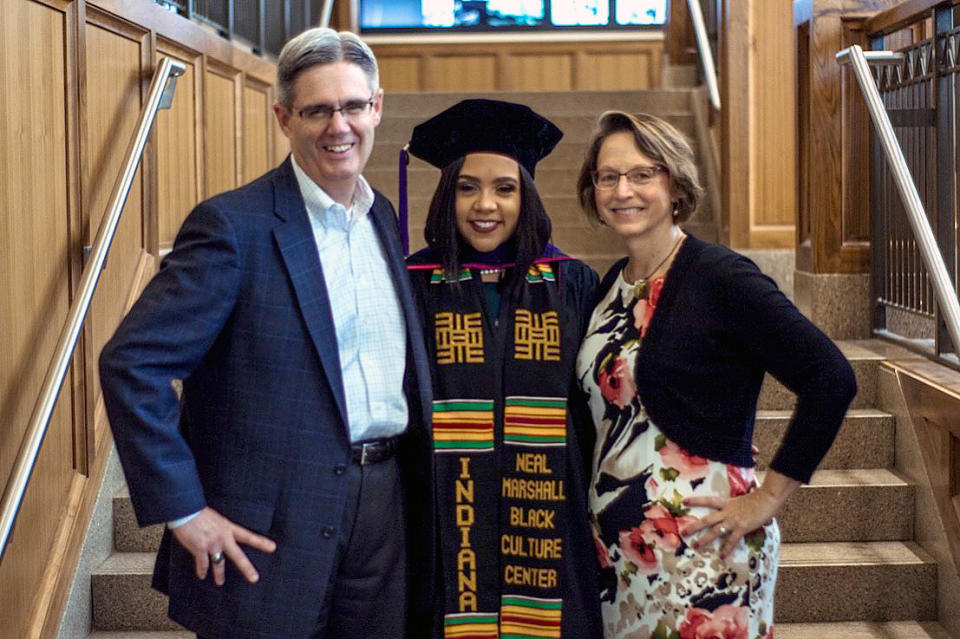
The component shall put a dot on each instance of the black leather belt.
(374, 451)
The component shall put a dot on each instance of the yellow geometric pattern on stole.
(536, 336)
(459, 338)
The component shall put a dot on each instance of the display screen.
(493, 15)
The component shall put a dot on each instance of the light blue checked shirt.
(371, 332)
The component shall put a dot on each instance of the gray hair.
(322, 46)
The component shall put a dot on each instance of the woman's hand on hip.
(735, 517)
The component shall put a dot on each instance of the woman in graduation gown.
(504, 312)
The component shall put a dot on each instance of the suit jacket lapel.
(294, 238)
(385, 224)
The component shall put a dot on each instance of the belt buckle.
(364, 447)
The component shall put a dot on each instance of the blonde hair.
(658, 140)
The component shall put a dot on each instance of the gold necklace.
(676, 245)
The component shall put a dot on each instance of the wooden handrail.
(898, 17)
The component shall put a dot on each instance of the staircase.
(850, 567)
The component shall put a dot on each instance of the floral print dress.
(654, 584)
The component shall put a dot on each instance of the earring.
(676, 209)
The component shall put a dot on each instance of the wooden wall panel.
(257, 130)
(758, 125)
(520, 66)
(466, 72)
(831, 233)
(541, 71)
(681, 41)
(178, 139)
(114, 80)
(220, 149)
(773, 139)
(401, 73)
(602, 71)
(35, 263)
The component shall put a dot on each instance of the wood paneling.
(681, 41)
(758, 118)
(541, 72)
(257, 130)
(179, 141)
(220, 146)
(461, 72)
(401, 73)
(35, 262)
(773, 141)
(833, 228)
(599, 71)
(521, 66)
(115, 77)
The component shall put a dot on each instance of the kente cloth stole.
(500, 438)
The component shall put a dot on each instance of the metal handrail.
(325, 11)
(706, 53)
(160, 96)
(929, 251)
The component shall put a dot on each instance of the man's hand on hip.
(212, 538)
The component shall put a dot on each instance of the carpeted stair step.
(844, 581)
(775, 396)
(850, 505)
(862, 630)
(866, 439)
(122, 597)
(128, 536)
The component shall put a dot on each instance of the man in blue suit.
(290, 468)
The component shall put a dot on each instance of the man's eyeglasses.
(323, 113)
(606, 180)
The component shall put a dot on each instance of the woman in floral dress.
(672, 363)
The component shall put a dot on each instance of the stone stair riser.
(838, 592)
(775, 396)
(848, 513)
(863, 442)
(127, 602)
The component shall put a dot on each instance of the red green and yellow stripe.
(470, 625)
(535, 421)
(463, 425)
(540, 273)
(437, 276)
(530, 617)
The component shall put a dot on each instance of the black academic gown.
(576, 287)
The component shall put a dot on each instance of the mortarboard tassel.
(402, 220)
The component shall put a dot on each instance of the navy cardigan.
(719, 325)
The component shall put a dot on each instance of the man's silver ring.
(217, 557)
(724, 531)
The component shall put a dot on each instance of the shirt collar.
(318, 202)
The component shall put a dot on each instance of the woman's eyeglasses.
(606, 180)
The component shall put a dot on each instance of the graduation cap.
(478, 126)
